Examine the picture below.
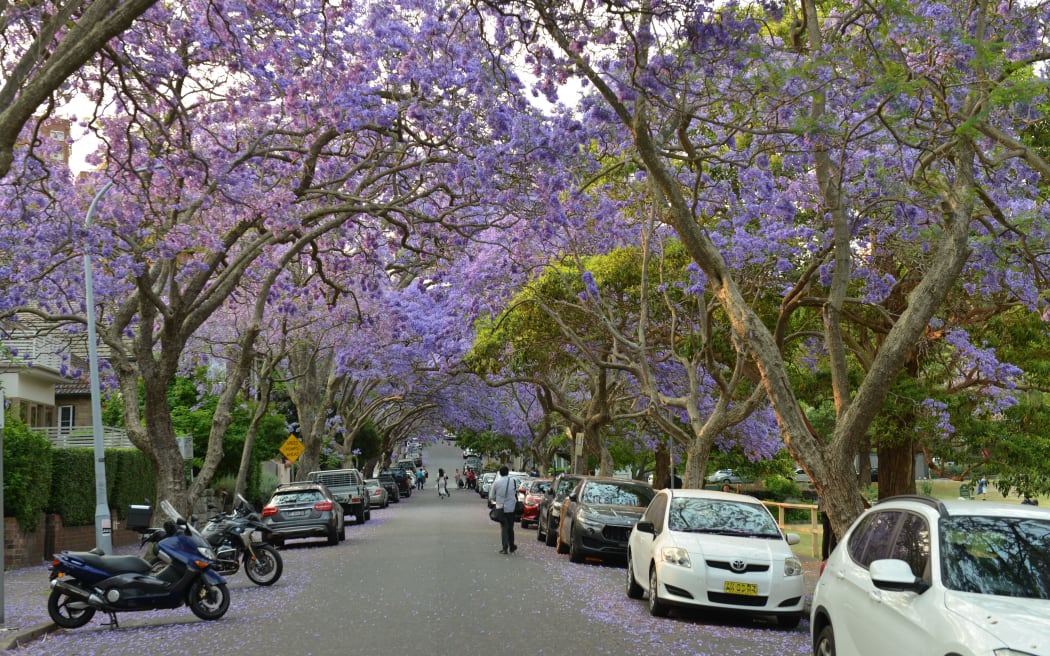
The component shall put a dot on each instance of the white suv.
(915, 575)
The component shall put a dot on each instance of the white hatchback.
(916, 575)
(714, 550)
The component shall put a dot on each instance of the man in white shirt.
(504, 494)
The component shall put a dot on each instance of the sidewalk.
(25, 603)
(25, 606)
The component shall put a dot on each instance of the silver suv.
(349, 489)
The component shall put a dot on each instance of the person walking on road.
(504, 494)
(442, 484)
(421, 479)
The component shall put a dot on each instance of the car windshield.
(722, 517)
(1007, 556)
(292, 498)
(539, 487)
(616, 494)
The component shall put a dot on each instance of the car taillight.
(323, 506)
(269, 511)
(377, 493)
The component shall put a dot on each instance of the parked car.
(485, 482)
(303, 510)
(549, 512)
(597, 516)
(714, 550)
(348, 488)
(535, 493)
(393, 490)
(918, 575)
(405, 482)
(801, 476)
(377, 494)
(723, 476)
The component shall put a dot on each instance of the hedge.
(129, 480)
(41, 479)
(27, 473)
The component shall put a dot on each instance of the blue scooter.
(83, 582)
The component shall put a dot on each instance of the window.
(655, 512)
(67, 417)
(873, 539)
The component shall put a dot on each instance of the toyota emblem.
(738, 565)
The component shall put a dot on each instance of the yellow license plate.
(732, 587)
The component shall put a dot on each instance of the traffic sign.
(292, 448)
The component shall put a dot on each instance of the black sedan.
(597, 517)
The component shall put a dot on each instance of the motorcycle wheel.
(68, 612)
(267, 566)
(208, 602)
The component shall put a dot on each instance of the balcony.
(34, 352)
(82, 437)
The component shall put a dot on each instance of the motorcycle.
(83, 582)
(231, 536)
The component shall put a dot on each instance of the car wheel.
(359, 517)
(561, 546)
(825, 642)
(277, 542)
(575, 549)
(541, 535)
(657, 608)
(634, 591)
(333, 536)
(549, 538)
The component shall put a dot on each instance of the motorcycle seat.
(116, 563)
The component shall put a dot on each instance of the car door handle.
(875, 596)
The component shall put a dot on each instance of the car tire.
(634, 591)
(657, 608)
(561, 547)
(524, 524)
(575, 549)
(359, 517)
(550, 539)
(825, 645)
(541, 535)
(277, 542)
(333, 536)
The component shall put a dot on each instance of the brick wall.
(22, 549)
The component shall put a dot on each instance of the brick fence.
(26, 549)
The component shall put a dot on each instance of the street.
(424, 576)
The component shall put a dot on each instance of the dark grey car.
(303, 510)
(550, 507)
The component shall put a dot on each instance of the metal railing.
(34, 352)
(814, 528)
(82, 437)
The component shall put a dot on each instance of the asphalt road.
(424, 577)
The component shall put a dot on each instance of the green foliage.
(73, 492)
(130, 480)
(782, 489)
(27, 473)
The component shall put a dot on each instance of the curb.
(21, 637)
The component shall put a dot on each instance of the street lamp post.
(103, 521)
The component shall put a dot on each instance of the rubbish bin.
(966, 491)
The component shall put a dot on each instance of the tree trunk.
(897, 468)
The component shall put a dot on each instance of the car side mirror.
(645, 527)
(573, 497)
(896, 576)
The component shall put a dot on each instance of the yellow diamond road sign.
(292, 448)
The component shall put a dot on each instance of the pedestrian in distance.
(442, 484)
(421, 479)
(504, 495)
(982, 488)
(459, 480)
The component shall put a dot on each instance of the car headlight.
(591, 520)
(676, 556)
(792, 567)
